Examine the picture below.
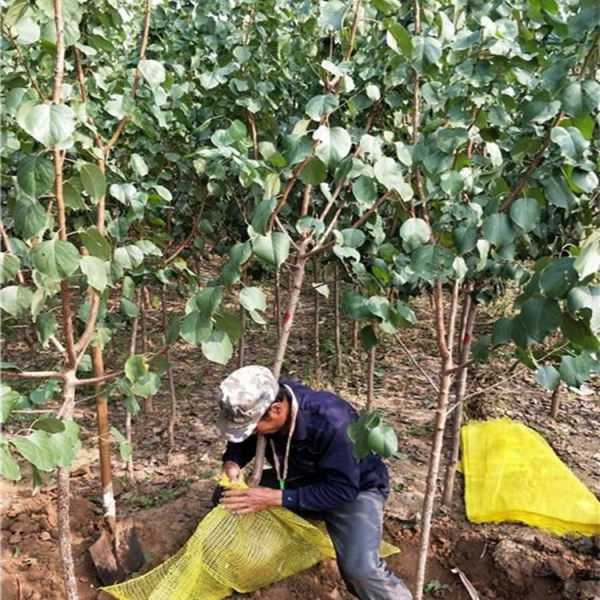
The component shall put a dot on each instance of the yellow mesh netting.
(512, 474)
(230, 552)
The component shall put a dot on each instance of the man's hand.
(232, 470)
(251, 500)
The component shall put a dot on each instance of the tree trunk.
(371, 378)
(278, 301)
(317, 341)
(336, 312)
(288, 320)
(466, 337)
(555, 401)
(172, 396)
(64, 493)
(242, 342)
(144, 306)
(438, 437)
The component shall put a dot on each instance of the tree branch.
(21, 56)
(136, 78)
(189, 237)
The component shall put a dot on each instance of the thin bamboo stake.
(242, 342)
(371, 376)
(278, 301)
(128, 418)
(144, 306)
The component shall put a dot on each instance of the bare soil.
(172, 491)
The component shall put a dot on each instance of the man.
(316, 473)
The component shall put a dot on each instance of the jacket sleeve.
(241, 453)
(340, 481)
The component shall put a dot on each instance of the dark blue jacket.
(323, 473)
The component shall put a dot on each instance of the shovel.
(117, 553)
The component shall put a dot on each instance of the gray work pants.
(355, 529)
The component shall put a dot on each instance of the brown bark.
(466, 337)
(172, 395)
(438, 437)
(336, 313)
(555, 401)
(278, 301)
(316, 331)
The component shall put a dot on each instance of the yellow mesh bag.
(230, 552)
(512, 474)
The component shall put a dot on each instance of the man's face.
(274, 419)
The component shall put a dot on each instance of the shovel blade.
(117, 555)
(130, 555)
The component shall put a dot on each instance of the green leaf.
(414, 233)
(9, 266)
(368, 337)
(173, 330)
(274, 247)
(14, 299)
(580, 97)
(525, 212)
(135, 367)
(65, 444)
(331, 15)
(230, 324)
(31, 219)
(50, 124)
(383, 441)
(365, 190)
(253, 298)
(314, 172)
(547, 377)
(36, 448)
(558, 193)
(96, 243)
(498, 230)
(152, 71)
(320, 106)
(538, 318)
(390, 174)
(94, 269)
(138, 164)
(261, 215)
(9, 398)
(575, 370)
(27, 31)
(425, 51)
(45, 392)
(9, 468)
(399, 40)
(35, 175)
(46, 326)
(588, 261)
(355, 306)
(335, 144)
(147, 385)
(464, 238)
(196, 328)
(306, 224)
(129, 257)
(129, 309)
(125, 447)
(432, 262)
(218, 348)
(572, 143)
(353, 238)
(72, 196)
(585, 300)
(502, 332)
(208, 300)
(55, 259)
(93, 180)
(558, 278)
(49, 425)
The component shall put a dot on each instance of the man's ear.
(277, 408)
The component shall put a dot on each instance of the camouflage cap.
(245, 396)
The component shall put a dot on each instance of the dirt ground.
(171, 492)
